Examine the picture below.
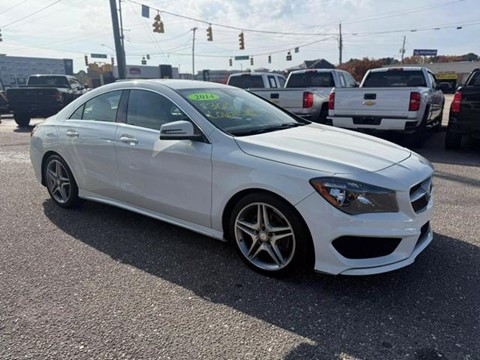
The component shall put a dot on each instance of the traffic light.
(251, 61)
(86, 60)
(158, 24)
(113, 61)
(230, 62)
(269, 59)
(209, 33)
(144, 61)
(148, 56)
(1, 35)
(241, 41)
(289, 56)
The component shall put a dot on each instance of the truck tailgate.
(372, 101)
(286, 98)
(31, 96)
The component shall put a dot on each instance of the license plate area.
(367, 120)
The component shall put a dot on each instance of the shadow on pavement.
(428, 310)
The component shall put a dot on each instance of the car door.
(169, 177)
(88, 139)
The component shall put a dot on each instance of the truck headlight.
(353, 197)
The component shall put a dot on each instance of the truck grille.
(420, 195)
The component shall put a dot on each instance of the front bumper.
(409, 229)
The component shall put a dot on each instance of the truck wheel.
(322, 117)
(453, 140)
(417, 139)
(22, 120)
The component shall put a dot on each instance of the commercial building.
(149, 72)
(15, 70)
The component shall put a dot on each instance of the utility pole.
(340, 44)
(193, 53)
(122, 37)
(118, 43)
(402, 50)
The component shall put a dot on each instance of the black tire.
(56, 188)
(295, 249)
(322, 117)
(453, 141)
(22, 120)
(416, 140)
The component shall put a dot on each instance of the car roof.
(404, 68)
(173, 84)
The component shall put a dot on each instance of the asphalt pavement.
(103, 283)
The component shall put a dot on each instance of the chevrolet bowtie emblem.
(369, 103)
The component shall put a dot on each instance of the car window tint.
(247, 81)
(151, 110)
(475, 80)
(103, 107)
(281, 81)
(395, 78)
(77, 115)
(311, 78)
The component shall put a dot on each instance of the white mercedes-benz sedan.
(290, 195)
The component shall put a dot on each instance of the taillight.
(331, 101)
(414, 101)
(457, 102)
(307, 99)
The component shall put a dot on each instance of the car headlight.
(353, 197)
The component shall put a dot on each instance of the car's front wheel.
(270, 236)
(60, 182)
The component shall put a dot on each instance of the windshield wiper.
(265, 129)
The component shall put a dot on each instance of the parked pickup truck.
(43, 96)
(405, 100)
(464, 117)
(306, 92)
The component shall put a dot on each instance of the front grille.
(420, 195)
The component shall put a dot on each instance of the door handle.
(128, 140)
(73, 133)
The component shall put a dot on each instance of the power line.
(13, 7)
(29, 15)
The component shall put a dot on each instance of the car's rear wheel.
(270, 236)
(22, 120)
(60, 182)
(453, 141)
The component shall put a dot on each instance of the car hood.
(324, 148)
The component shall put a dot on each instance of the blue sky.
(371, 28)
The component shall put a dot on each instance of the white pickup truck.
(306, 91)
(404, 99)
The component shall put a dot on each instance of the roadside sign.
(425, 52)
(98, 56)
(242, 57)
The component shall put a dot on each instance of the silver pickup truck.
(306, 91)
(404, 100)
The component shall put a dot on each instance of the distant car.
(220, 161)
(464, 116)
(43, 96)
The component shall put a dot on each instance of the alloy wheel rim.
(265, 236)
(58, 181)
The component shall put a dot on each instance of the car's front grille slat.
(420, 195)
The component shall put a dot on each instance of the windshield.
(310, 79)
(237, 112)
(49, 81)
(394, 78)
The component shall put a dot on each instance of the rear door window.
(271, 81)
(103, 107)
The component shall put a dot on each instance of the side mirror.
(179, 130)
